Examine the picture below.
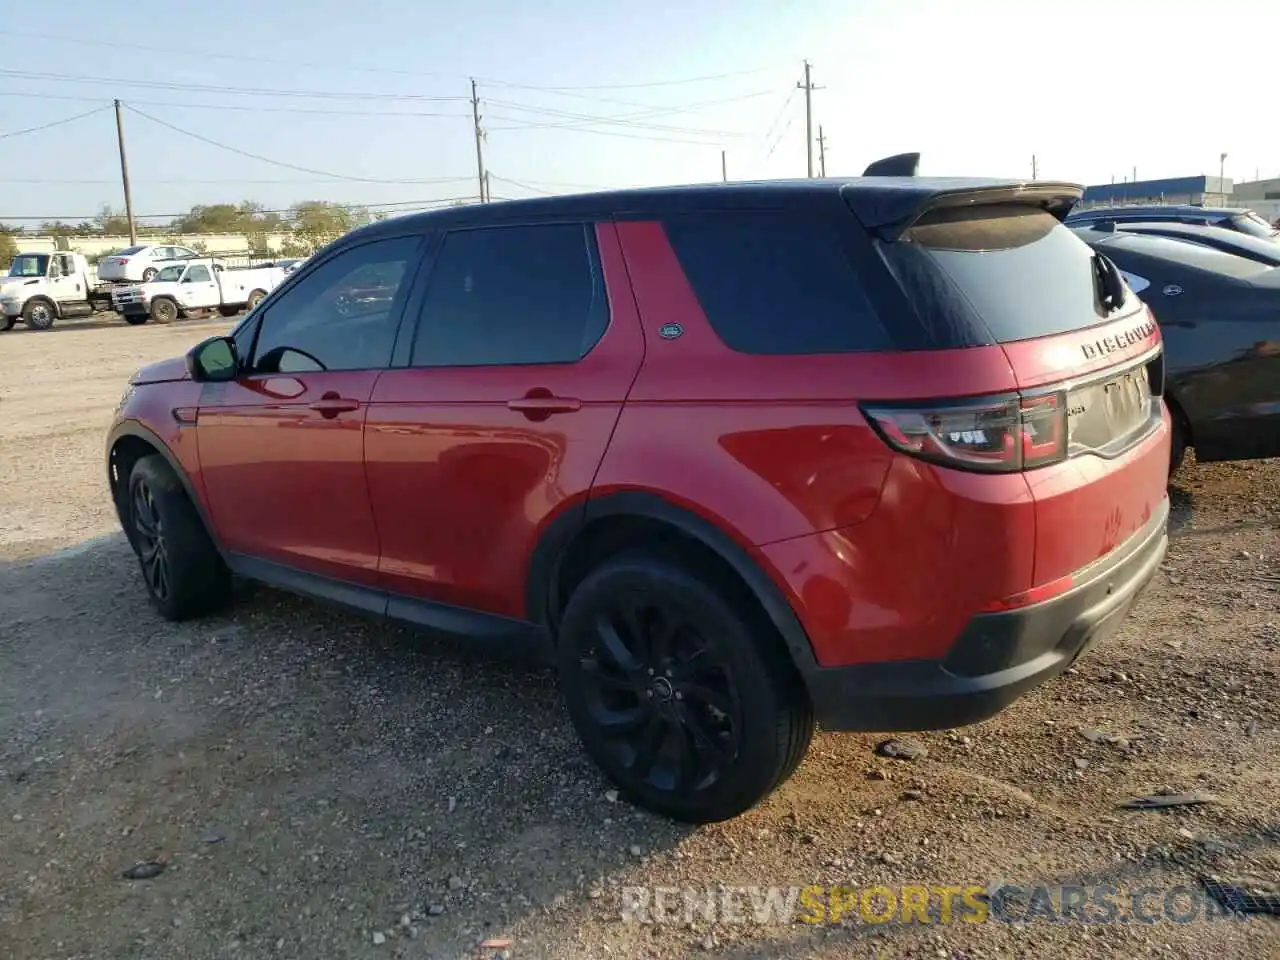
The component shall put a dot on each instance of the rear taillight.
(122, 260)
(988, 435)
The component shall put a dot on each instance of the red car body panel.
(285, 482)
(463, 486)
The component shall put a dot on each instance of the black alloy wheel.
(662, 696)
(149, 538)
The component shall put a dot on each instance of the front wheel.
(10, 322)
(164, 311)
(184, 574)
(255, 297)
(678, 692)
(38, 315)
(149, 274)
(135, 319)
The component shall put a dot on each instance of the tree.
(8, 249)
(111, 222)
(317, 222)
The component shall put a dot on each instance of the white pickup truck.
(198, 285)
(41, 287)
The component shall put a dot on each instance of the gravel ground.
(320, 786)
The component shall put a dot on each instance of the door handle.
(539, 408)
(330, 405)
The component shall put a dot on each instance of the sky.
(340, 103)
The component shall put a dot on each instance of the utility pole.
(124, 177)
(1033, 166)
(475, 117)
(488, 188)
(808, 88)
(822, 153)
(724, 168)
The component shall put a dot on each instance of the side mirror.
(213, 360)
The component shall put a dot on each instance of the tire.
(135, 319)
(164, 310)
(721, 700)
(255, 297)
(183, 572)
(228, 311)
(10, 322)
(149, 274)
(38, 314)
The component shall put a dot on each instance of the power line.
(259, 157)
(55, 123)
(625, 121)
(184, 181)
(239, 58)
(235, 91)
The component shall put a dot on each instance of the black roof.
(877, 201)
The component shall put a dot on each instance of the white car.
(140, 263)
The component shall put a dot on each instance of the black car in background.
(1230, 241)
(1219, 315)
(1228, 218)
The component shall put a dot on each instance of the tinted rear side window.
(1014, 271)
(513, 295)
(776, 284)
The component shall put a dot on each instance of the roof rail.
(899, 165)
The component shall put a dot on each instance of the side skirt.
(501, 635)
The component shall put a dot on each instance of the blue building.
(1202, 191)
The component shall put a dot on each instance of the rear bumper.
(999, 656)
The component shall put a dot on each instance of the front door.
(520, 364)
(282, 448)
(66, 284)
(198, 290)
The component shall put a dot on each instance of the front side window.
(343, 315)
(197, 274)
(512, 295)
(170, 274)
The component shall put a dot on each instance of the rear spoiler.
(891, 206)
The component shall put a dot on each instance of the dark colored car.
(1228, 241)
(1228, 218)
(1220, 315)
(882, 454)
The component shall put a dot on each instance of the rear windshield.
(1012, 271)
(127, 251)
(1255, 226)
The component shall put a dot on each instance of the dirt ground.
(320, 786)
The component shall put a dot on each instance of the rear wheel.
(135, 319)
(677, 692)
(164, 311)
(228, 311)
(10, 322)
(183, 572)
(38, 315)
(149, 274)
(1178, 442)
(255, 297)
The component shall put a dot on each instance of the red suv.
(881, 454)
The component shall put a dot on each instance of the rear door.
(526, 345)
(1074, 334)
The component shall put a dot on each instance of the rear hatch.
(1085, 354)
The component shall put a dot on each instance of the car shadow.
(100, 321)
(373, 772)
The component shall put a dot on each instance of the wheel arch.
(128, 443)
(45, 299)
(582, 537)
